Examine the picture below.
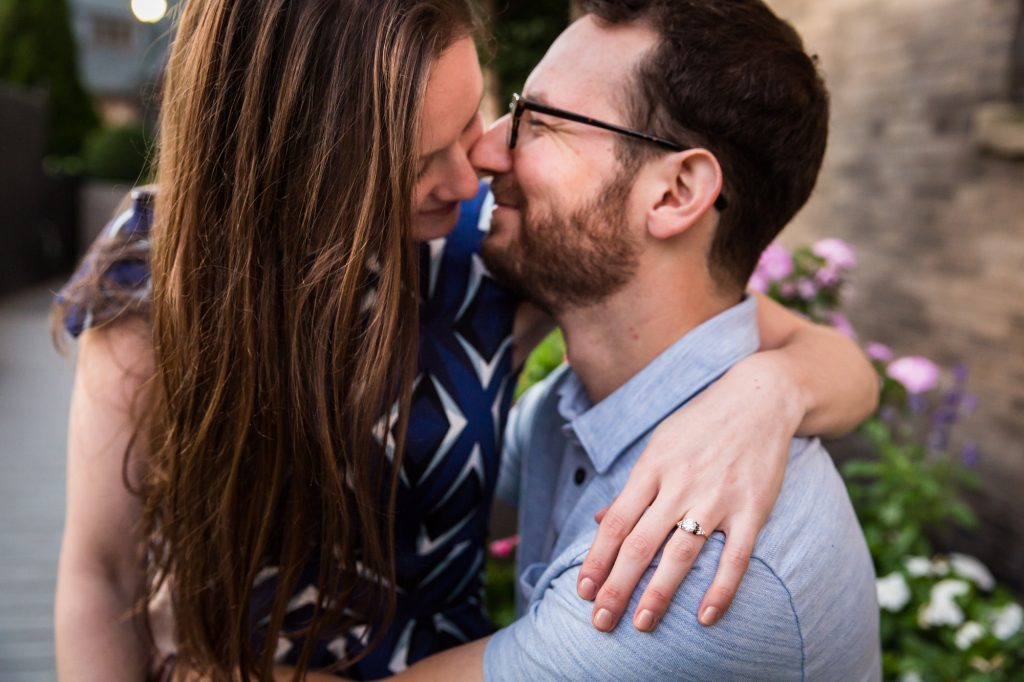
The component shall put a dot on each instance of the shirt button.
(580, 476)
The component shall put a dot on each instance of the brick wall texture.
(938, 225)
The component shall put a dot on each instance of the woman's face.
(451, 125)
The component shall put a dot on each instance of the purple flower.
(970, 455)
(969, 403)
(827, 276)
(917, 403)
(917, 374)
(842, 324)
(788, 289)
(807, 289)
(837, 253)
(879, 351)
(758, 282)
(776, 263)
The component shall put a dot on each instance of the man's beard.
(573, 261)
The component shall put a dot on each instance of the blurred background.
(924, 182)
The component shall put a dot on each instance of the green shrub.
(119, 153)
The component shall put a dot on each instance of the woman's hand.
(720, 460)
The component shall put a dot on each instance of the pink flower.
(842, 325)
(828, 276)
(836, 253)
(879, 351)
(807, 289)
(758, 283)
(503, 548)
(917, 374)
(776, 263)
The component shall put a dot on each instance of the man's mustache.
(506, 191)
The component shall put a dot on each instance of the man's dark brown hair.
(733, 78)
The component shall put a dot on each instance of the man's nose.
(491, 155)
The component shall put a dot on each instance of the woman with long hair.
(290, 391)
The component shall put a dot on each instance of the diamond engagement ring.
(691, 526)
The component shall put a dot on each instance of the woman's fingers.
(680, 552)
(618, 520)
(732, 566)
(637, 551)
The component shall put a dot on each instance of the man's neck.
(610, 342)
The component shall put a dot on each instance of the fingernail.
(603, 619)
(644, 621)
(588, 589)
(709, 616)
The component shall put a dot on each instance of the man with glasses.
(658, 148)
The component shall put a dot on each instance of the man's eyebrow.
(538, 97)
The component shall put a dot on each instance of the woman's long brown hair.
(284, 311)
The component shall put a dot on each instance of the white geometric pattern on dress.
(471, 573)
(400, 657)
(477, 271)
(425, 545)
(456, 425)
(496, 408)
(484, 370)
(436, 247)
(474, 464)
(439, 569)
(442, 624)
(382, 432)
(486, 209)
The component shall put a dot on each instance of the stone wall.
(938, 223)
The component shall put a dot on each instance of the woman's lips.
(442, 211)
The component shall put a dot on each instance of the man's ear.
(688, 183)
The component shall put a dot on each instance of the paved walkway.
(35, 385)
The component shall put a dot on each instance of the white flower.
(893, 592)
(918, 566)
(969, 633)
(1008, 621)
(943, 609)
(940, 567)
(912, 676)
(968, 567)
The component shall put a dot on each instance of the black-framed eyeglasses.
(520, 104)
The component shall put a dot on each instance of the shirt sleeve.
(758, 638)
(113, 279)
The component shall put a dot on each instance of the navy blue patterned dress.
(460, 404)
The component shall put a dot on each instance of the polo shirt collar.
(608, 429)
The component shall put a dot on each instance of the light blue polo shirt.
(806, 609)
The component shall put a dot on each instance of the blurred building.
(925, 177)
(121, 58)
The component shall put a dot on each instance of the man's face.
(564, 230)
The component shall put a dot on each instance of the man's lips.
(505, 203)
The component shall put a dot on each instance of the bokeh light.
(149, 11)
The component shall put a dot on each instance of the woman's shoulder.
(113, 280)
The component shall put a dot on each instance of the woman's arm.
(99, 574)
(833, 382)
(721, 460)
